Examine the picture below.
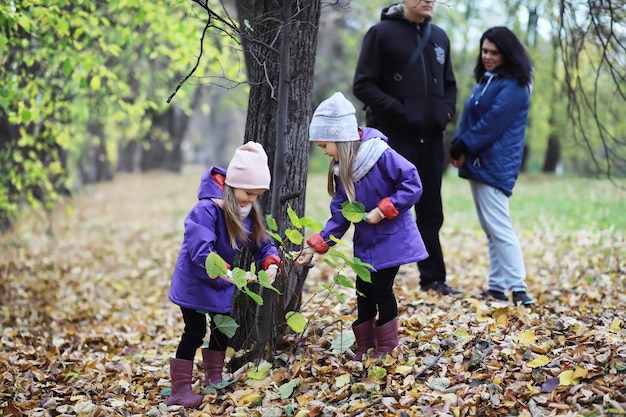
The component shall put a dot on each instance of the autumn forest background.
(110, 112)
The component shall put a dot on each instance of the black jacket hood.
(396, 12)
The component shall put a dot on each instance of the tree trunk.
(128, 156)
(552, 157)
(95, 167)
(553, 154)
(281, 126)
(162, 150)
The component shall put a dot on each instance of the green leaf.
(310, 224)
(353, 212)
(294, 236)
(377, 372)
(271, 223)
(361, 269)
(215, 266)
(26, 115)
(95, 83)
(67, 67)
(240, 278)
(286, 390)
(342, 342)
(293, 217)
(275, 236)
(339, 242)
(264, 281)
(343, 281)
(295, 321)
(260, 372)
(333, 292)
(256, 297)
(24, 22)
(225, 324)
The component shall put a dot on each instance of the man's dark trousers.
(428, 158)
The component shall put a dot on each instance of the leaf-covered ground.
(86, 327)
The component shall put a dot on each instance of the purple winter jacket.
(391, 242)
(205, 232)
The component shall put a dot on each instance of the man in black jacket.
(412, 100)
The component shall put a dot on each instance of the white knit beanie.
(334, 120)
(248, 169)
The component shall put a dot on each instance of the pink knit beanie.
(248, 169)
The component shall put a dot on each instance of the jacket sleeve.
(500, 115)
(267, 253)
(368, 76)
(408, 185)
(200, 240)
(337, 225)
(199, 235)
(449, 81)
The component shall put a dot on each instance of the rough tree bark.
(281, 61)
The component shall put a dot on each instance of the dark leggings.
(377, 297)
(193, 335)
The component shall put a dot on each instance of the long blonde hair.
(346, 152)
(234, 222)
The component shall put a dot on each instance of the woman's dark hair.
(515, 60)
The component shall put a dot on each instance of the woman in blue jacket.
(226, 218)
(365, 169)
(487, 148)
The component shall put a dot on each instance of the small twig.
(423, 371)
(360, 410)
(195, 67)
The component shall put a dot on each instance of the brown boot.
(213, 362)
(365, 338)
(387, 337)
(182, 393)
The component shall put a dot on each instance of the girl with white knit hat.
(226, 218)
(365, 169)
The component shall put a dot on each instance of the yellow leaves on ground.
(86, 327)
(525, 338)
(540, 360)
(616, 325)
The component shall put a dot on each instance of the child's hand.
(305, 256)
(271, 270)
(373, 216)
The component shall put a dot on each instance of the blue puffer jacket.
(493, 126)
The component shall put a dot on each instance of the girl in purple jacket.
(226, 218)
(365, 169)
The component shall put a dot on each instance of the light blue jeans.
(506, 260)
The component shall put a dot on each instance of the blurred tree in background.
(85, 84)
(83, 88)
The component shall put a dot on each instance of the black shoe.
(440, 287)
(497, 295)
(522, 298)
